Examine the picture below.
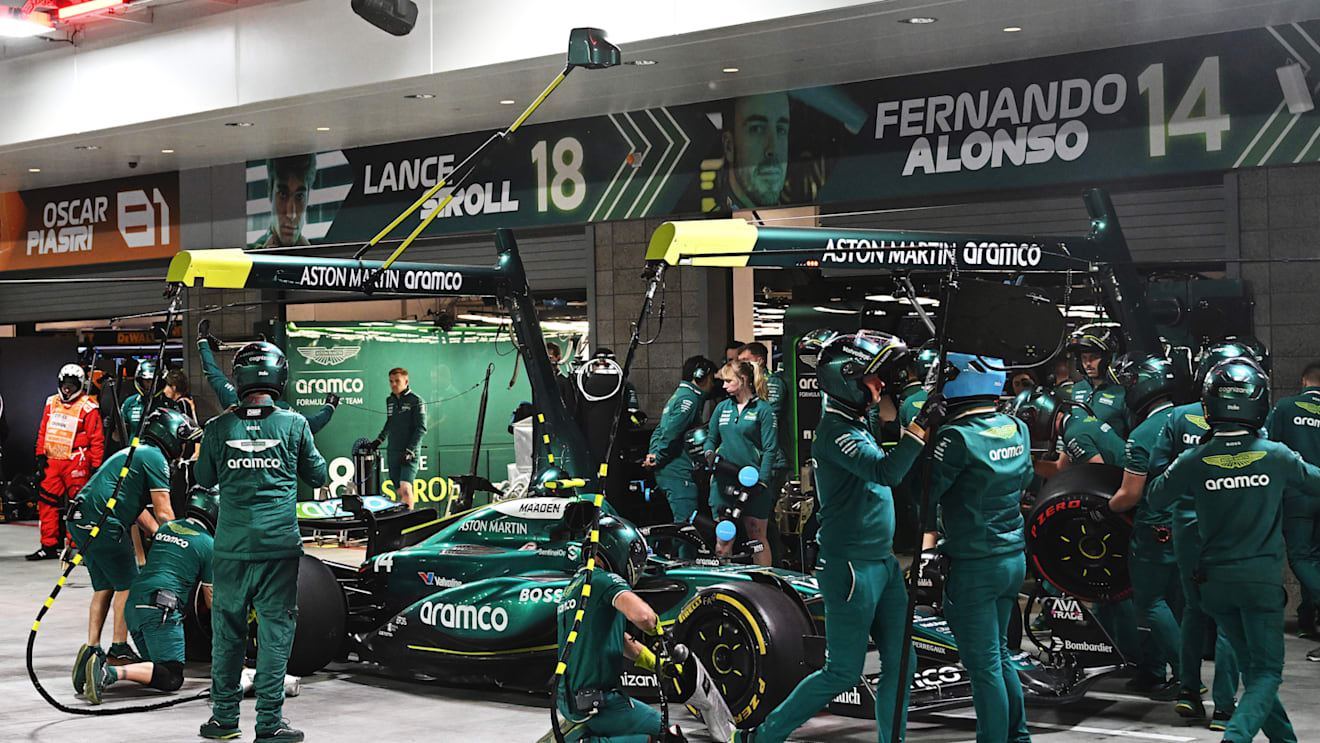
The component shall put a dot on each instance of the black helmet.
(1217, 353)
(1237, 391)
(622, 549)
(171, 431)
(845, 360)
(1095, 338)
(146, 371)
(74, 375)
(260, 367)
(1038, 409)
(1146, 379)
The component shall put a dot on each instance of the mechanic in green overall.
(405, 422)
(108, 554)
(860, 579)
(179, 560)
(1185, 429)
(1295, 421)
(909, 379)
(255, 454)
(1093, 348)
(1238, 481)
(208, 345)
(668, 455)
(1150, 384)
(591, 705)
(742, 431)
(982, 463)
(133, 408)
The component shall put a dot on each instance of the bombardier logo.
(1240, 481)
(329, 356)
(464, 616)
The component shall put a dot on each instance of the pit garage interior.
(144, 135)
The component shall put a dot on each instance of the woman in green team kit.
(1238, 480)
(742, 431)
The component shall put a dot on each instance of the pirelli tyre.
(749, 638)
(1074, 541)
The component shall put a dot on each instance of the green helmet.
(1237, 391)
(846, 359)
(1037, 408)
(260, 367)
(917, 368)
(622, 549)
(1218, 353)
(146, 371)
(171, 431)
(1146, 379)
(1096, 338)
(204, 506)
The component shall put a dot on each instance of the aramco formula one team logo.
(329, 355)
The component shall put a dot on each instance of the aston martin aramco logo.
(329, 355)
(252, 446)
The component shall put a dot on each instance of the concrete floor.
(348, 705)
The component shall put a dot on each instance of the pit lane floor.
(350, 705)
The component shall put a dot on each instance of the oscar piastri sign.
(1209, 103)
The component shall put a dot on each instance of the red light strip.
(71, 11)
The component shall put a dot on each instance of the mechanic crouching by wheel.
(255, 453)
(742, 432)
(982, 463)
(859, 576)
(593, 707)
(1239, 481)
(180, 559)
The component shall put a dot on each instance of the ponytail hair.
(751, 375)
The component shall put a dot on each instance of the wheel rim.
(727, 648)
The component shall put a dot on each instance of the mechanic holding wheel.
(592, 705)
(742, 431)
(1295, 421)
(405, 422)
(1093, 348)
(1150, 384)
(982, 463)
(255, 454)
(179, 560)
(1239, 481)
(859, 576)
(668, 454)
(108, 555)
(208, 345)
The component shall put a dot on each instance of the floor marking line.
(1087, 729)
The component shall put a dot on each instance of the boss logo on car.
(464, 616)
(535, 595)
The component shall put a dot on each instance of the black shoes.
(1189, 706)
(51, 552)
(281, 734)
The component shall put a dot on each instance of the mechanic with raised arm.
(1185, 428)
(208, 345)
(255, 454)
(592, 705)
(1093, 348)
(982, 463)
(742, 432)
(179, 560)
(1295, 421)
(1150, 383)
(70, 446)
(405, 422)
(668, 454)
(108, 554)
(859, 576)
(1238, 481)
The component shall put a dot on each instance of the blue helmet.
(970, 376)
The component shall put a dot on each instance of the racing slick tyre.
(1074, 541)
(748, 636)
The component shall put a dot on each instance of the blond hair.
(751, 374)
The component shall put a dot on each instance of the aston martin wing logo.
(1234, 461)
(1198, 421)
(1309, 407)
(1008, 430)
(252, 445)
(329, 355)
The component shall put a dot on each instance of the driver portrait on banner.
(293, 200)
(289, 184)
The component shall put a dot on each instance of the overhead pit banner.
(127, 219)
(1210, 103)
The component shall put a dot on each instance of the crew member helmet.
(71, 375)
(1037, 408)
(622, 549)
(171, 431)
(146, 371)
(260, 367)
(845, 360)
(1099, 339)
(1237, 391)
(1218, 353)
(969, 377)
(1146, 379)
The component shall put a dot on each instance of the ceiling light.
(87, 147)
(1012, 29)
(167, 152)
(729, 70)
(892, 298)
(834, 310)
(91, 6)
(920, 20)
(322, 128)
(420, 96)
(641, 62)
(239, 123)
(507, 102)
(15, 25)
(34, 170)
